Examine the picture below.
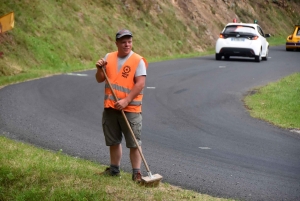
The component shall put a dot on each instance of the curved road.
(196, 131)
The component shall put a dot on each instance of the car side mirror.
(290, 37)
(267, 35)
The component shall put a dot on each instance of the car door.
(263, 40)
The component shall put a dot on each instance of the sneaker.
(137, 177)
(107, 171)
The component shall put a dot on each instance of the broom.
(150, 179)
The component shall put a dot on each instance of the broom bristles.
(152, 181)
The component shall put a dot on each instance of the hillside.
(60, 36)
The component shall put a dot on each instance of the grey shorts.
(114, 124)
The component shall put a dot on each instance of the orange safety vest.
(123, 81)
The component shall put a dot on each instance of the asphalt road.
(196, 131)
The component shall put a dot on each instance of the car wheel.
(287, 49)
(258, 58)
(266, 57)
(218, 56)
(227, 57)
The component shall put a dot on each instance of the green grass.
(52, 37)
(274, 41)
(278, 102)
(30, 173)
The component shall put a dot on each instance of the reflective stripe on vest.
(111, 97)
(120, 88)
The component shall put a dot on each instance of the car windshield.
(240, 29)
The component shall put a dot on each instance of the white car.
(242, 40)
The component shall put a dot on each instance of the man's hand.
(100, 63)
(100, 75)
(121, 104)
(136, 90)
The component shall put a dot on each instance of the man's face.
(124, 45)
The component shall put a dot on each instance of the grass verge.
(30, 173)
(278, 102)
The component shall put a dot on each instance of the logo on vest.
(126, 71)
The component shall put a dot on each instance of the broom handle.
(128, 125)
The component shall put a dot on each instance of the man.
(126, 72)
